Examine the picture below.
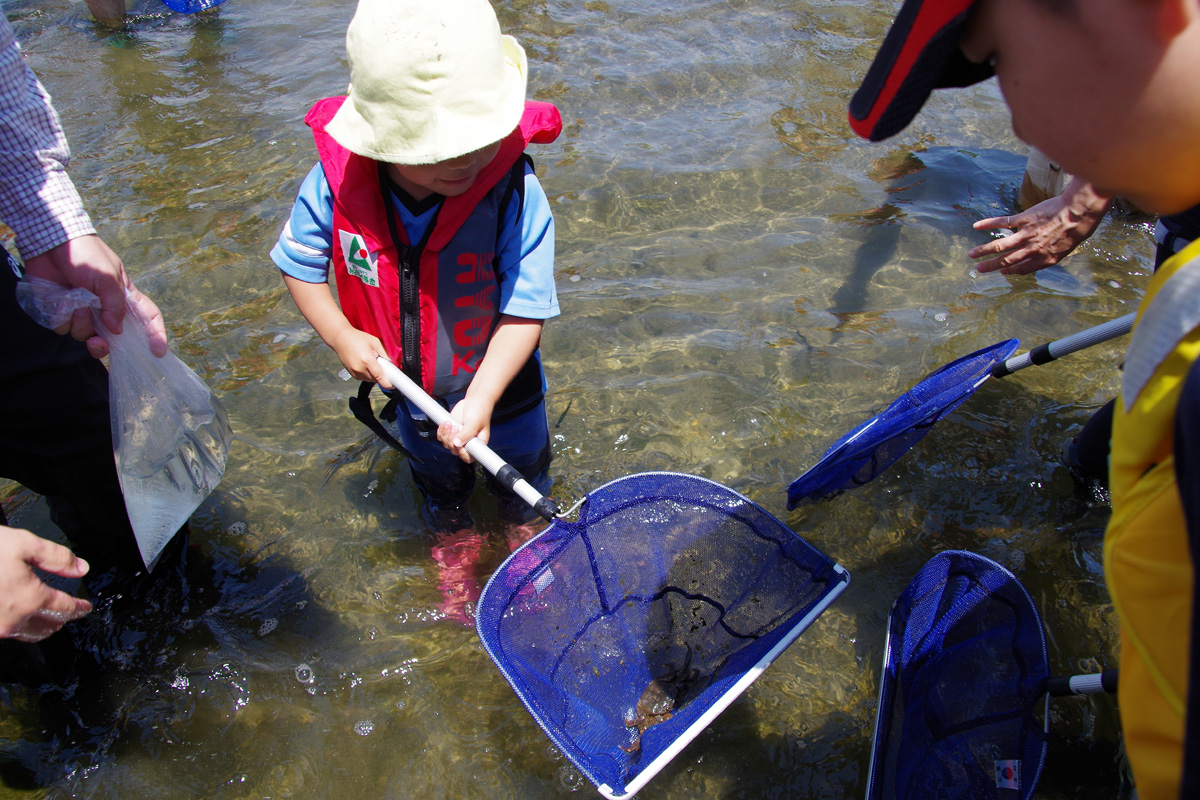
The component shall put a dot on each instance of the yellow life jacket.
(1147, 563)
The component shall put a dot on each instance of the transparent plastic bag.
(171, 434)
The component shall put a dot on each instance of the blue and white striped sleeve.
(306, 242)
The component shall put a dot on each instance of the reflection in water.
(742, 282)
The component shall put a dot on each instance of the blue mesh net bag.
(875, 445)
(626, 632)
(964, 669)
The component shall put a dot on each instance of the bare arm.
(1044, 234)
(356, 349)
(29, 609)
(511, 346)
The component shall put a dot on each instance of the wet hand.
(1044, 234)
(85, 262)
(29, 609)
(1034, 244)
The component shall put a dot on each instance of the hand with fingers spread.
(1044, 234)
(29, 609)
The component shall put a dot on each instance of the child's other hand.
(471, 419)
(358, 352)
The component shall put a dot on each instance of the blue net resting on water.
(875, 445)
(626, 632)
(191, 6)
(964, 668)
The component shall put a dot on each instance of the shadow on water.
(155, 663)
(939, 187)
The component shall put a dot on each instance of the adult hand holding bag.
(170, 433)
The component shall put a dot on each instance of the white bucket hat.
(430, 80)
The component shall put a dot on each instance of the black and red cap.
(919, 54)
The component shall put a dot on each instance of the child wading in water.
(441, 241)
(1107, 89)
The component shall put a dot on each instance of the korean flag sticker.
(1008, 774)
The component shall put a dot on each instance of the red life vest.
(432, 304)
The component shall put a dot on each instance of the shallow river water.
(742, 281)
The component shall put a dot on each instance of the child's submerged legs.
(528, 451)
(462, 566)
(462, 554)
(445, 484)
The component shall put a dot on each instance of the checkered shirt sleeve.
(37, 198)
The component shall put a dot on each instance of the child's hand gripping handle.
(508, 477)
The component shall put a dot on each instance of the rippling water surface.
(742, 281)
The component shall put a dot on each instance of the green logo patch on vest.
(360, 262)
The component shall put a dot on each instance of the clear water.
(742, 281)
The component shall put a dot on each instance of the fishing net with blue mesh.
(628, 631)
(873, 446)
(965, 667)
